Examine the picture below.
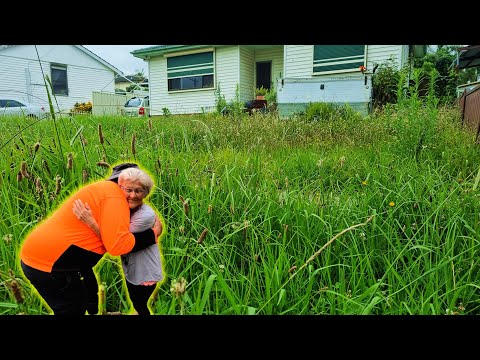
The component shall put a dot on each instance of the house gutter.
(161, 50)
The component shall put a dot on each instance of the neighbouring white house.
(122, 83)
(75, 72)
(187, 79)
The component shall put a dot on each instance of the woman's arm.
(85, 215)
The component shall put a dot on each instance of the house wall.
(247, 70)
(294, 95)
(122, 85)
(299, 58)
(275, 55)
(236, 65)
(248, 58)
(21, 75)
(227, 75)
(228, 70)
(377, 54)
(300, 87)
(298, 61)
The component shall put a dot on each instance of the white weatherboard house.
(74, 71)
(184, 78)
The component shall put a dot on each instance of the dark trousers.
(65, 292)
(139, 295)
(91, 286)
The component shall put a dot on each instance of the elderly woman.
(142, 269)
(57, 257)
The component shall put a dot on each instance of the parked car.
(137, 106)
(14, 107)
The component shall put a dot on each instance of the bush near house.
(437, 68)
(82, 108)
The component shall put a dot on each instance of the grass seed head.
(23, 169)
(47, 168)
(133, 145)
(69, 161)
(17, 292)
(202, 236)
(84, 141)
(178, 287)
(38, 186)
(103, 164)
(58, 184)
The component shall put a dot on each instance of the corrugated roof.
(468, 56)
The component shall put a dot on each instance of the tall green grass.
(271, 193)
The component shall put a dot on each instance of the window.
(133, 102)
(10, 103)
(187, 72)
(337, 58)
(59, 79)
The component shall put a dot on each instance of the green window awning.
(190, 65)
(337, 57)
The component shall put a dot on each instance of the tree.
(138, 77)
(443, 59)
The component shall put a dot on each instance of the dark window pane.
(174, 84)
(207, 81)
(191, 82)
(59, 81)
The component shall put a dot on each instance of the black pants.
(139, 295)
(91, 286)
(65, 292)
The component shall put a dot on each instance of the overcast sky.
(120, 57)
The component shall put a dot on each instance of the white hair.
(135, 174)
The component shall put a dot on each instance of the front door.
(264, 74)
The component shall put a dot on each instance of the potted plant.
(260, 93)
(271, 99)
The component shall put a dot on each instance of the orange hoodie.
(62, 241)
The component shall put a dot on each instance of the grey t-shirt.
(143, 265)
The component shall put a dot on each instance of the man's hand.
(82, 211)
(85, 215)
(157, 227)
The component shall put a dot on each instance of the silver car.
(15, 107)
(137, 106)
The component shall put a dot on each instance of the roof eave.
(155, 51)
(98, 58)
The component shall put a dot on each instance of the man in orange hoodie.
(57, 257)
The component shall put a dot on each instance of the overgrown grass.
(271, 193)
